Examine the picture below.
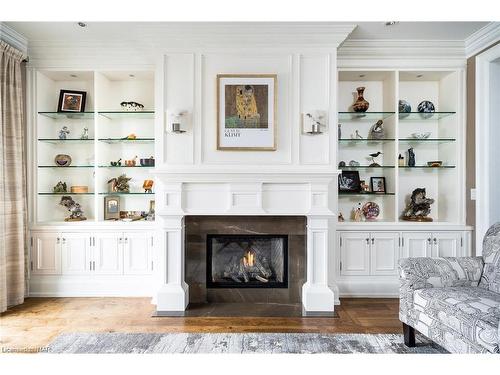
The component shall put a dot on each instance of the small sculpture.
(131, 162)
(63, 132)
(85, 133)
(356, 135)
(132, 106)
(411, 157)
(419, 206)
(316, 122)
(341, 218)
(148, 186)
(340, 131)
(117, 163)
(76, 212)
(342, 164)
(365, 188)
(360, 105)
(377, 131)
(119, 184)
(357, 213)
(373, 156)
(60, 187)
(353, 163)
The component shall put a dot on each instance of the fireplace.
(247, 261)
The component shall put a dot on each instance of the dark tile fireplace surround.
(267, 283)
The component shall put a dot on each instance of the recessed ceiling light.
(73, 75)
(391, 23)
(420, 75)
(82, 24)
(361, 76)
(131, 75)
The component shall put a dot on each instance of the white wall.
(306, 81)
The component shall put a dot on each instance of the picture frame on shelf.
(71, 101)
(246, 112)
(349, 182)
(377, 185)
(111, 207)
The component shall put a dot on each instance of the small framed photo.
(377, 184)
(349, 182)
(111, 207)
(71, 101)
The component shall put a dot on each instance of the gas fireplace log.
(261, 279)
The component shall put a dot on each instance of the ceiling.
(70, 31)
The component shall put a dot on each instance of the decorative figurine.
(60, 187)
(63, 132)
(356, 135)
(419, 206)
(316, 123)
(360, 105)
(117, 163)
(401, 161)
(353, 163)
(85, 133)
(119, 184)
(131, 162)
(340, 131)
(373, 156)
(132, 106)
(76, 213)
(150, 216)
(148, 186)
(411, 157)
(342, 164)
(377, 131)
(357, 213)
(341, 218)
(365, 188)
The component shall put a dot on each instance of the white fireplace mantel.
(246, 193)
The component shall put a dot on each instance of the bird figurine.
(373, 156)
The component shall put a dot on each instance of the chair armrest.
(422, 273)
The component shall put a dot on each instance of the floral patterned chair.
(454, 301)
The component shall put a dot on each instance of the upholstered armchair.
(454, 301)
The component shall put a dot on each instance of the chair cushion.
(490, 279)
(472, 312)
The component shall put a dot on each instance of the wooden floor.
(39, 320)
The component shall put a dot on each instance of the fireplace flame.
(249, 258)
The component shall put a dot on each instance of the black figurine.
(411, 157)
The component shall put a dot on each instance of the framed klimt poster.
(246, 112)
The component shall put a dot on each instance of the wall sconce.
(177, 122)
(314, 122)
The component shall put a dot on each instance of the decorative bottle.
(360, 105)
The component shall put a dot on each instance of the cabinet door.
(355, 253)
(447, 244)
(137, 253)
(384, 253)
(107, 255)
(76, 257)
(46, 254)
(416, 244)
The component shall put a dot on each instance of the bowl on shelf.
(435, 163)
(149, 162)
(62, 160)
(421, 135)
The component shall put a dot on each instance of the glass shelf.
(70, 141)
(66, 193)
(427, 167)
(116, 193)
(364, 116)
(123, 166)
(145, 115)
(364, 141)
(68, 115)
(358, 194)
(366, 167)
(124, 140)
(427, 140)
(418, 116)
(69, 166)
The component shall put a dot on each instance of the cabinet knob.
(435, 240)
(429, 240)
(367, 241)
(373, 241)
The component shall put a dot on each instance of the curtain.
(13, 216)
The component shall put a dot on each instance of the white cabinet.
(138, 253)
(365, 253)
(76, 253)
(46, 254)
(435, 244)
(354, 253)
(384, 253)
(107, 254)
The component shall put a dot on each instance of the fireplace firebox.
(247, 261)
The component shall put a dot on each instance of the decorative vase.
(360, 105)
(426, 108)
(404, 108)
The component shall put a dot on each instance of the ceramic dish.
(421, 135)
(435, 163)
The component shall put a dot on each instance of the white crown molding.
(393, 53)
(481, 39)
(12, 37)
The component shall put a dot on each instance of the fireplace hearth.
(247, 261)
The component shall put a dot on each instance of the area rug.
(261, 343)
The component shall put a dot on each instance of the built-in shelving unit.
(383, 90)
(112, 134)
